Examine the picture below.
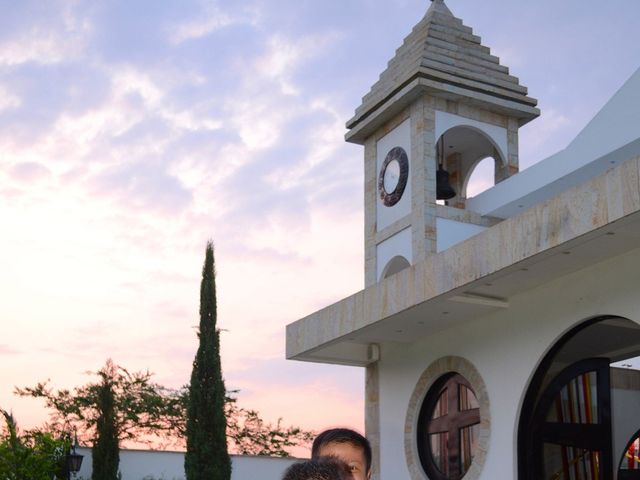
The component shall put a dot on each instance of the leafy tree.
(143, 411)
(149, 413)
(105, 453)
(249, 434)
(34, 455)
(207, 456)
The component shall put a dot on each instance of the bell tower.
(442, 105)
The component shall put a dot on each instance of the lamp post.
(74, 459)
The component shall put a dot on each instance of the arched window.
(629, 466)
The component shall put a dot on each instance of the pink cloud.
(29, 171)
(8, 350)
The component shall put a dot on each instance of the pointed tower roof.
(441, 56)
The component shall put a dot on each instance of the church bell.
(444, 190)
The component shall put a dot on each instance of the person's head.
(347, 445)
(326, 468)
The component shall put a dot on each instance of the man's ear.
(369, 475)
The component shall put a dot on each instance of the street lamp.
(74, 460)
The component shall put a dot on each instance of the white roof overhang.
(584, 225)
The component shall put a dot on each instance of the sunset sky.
(131, 132)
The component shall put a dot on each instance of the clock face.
(393, 176)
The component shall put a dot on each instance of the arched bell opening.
(481, 177)
(459, 151)
(579, 411)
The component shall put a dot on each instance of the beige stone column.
(370, 205)
(512, 167)
(423, 178)
(372, 416)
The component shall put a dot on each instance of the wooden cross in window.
(455, 411)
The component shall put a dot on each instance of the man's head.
(347, 445)
(326, 468)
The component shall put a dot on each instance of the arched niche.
(395, 265)
(461, 149)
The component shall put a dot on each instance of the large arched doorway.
(582, 404)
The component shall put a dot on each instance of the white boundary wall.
(164, 465)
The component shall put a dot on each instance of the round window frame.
(433, 396)
(434, 373)
(389, 199)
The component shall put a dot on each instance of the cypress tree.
(207, 457)
(105, 453)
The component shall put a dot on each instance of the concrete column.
(512, 163)
(370, 205)
(372, 416)
(423, 166)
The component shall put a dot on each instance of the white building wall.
(452, 232)
(506, 348)
(163, 465)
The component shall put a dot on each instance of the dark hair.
(327, 468)
(342, 435)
